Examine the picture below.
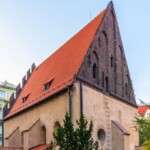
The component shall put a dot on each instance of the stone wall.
(102, 110)
(105, 65)
(99, 108)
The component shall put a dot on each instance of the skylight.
(48, 84)
(24, 99)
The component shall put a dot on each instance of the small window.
(24, 99)
(43, 129)
(94, 70)
(103, 82)
(89, 60)
(56, 127)
(112, 61)
(101, 135)
(99, 42)
(107, 84)
(126, 88)
(48, 84)
(57, 124)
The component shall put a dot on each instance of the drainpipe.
(70, 100)
(81, 99)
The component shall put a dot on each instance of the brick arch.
(43, 128)
(104, 35)
(95, 66)
(104, 47)
(56, 124)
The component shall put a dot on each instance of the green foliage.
(69, 138)
(147, 145)
(65, 136)
(144, 130)
(83, 135)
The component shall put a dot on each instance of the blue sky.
(30, 30)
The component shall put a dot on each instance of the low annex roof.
(58, 70)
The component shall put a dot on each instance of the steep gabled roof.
(58, 70)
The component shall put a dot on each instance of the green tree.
(147, 145)
(66, 137)
(144, 129)
(83, 135)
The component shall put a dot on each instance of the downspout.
(81, 99)
(70, 100)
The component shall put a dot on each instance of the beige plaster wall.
(48, 113)
(36, 135)
(15, 139)
(101, 109)
(117, 139)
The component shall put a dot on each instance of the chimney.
(24, 80)
(33, 67)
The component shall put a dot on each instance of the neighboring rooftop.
(8, 85)
(142, 109)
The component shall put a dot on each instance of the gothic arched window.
(101, 135)
(56, 127)
(99, 42)
(126, 89)
(89, 60)
(95, 67)
(104, 37)
(103, 80)
(112, 61)
(107, 84)
(94, 70)
(104, 46)
(44, 134)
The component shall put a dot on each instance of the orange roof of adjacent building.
(142, 109)
(60, 68)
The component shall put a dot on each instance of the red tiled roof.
(62, 66)
(143, 109)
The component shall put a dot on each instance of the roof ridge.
(72, 37)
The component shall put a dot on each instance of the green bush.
(67, 137)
